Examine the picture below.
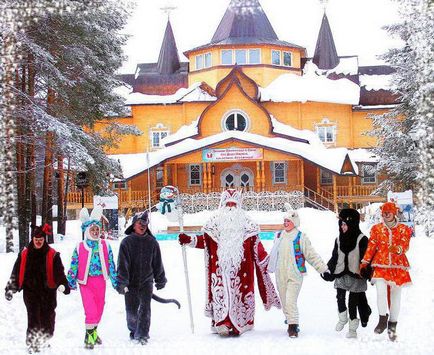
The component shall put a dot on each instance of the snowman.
(168, 203)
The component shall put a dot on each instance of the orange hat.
(389, 207)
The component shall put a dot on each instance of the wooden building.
(251, 111)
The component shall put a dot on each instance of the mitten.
(184, 239)
(327, 276)
(8, 295)
(159, 286)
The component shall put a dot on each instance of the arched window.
(235, 121)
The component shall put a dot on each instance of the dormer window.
(235, 121)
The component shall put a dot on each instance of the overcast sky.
(356, 25)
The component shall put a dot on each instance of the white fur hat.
(230, 195)
(292, 215)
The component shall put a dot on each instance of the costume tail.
(164, 300)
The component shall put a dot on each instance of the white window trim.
(124, 185)
(159, 131)
(273, 169)
(362, 177)
(280, 57)
(221, 56)
(189, 175)
(234, 56)
(227, 114)
(283, 59)
(204, 66)
(248, 55)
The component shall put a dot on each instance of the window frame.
(232, 56)
(363, 177)
(124, 185)
(279, 52)
(322, 178)
(285, 172)
(290, 59)
(236, 113)
(190, 183)
(325, 128)
(203, 58)
(259, 56)
(159, 132)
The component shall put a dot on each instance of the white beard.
(230, 224)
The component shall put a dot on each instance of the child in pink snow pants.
(91, 265)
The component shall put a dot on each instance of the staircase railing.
(318, 201)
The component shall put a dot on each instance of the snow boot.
(343, 319)
(89, 338)
(98, 340)
(131, 335)
(352, 328)
(223, 330)
(382, 324)
(364, 318)
(293, 330)
(391, 330)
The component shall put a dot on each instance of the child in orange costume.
(388, 243)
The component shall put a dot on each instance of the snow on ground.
(170, 328)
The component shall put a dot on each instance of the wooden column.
(165, 177)
(335, 193)
(318, 179)
(263, 176)
(204, 178)
(302, 174)
(258, 176)
(129, 194)
(175, 175)
(350, 191)
(209, 177)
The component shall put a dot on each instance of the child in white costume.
(291, 249)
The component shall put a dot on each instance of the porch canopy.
(335, 160)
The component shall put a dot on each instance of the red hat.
(389, 207)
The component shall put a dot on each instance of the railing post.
(335, 194)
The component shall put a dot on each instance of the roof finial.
(168, 8)
(324, 4)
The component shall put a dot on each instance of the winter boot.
(343, 319)
(293, 330)
(89, 339)
(98, 340)
(364, 318)
(382, 324)
(223, 330)
(352, 328)
(391, 330)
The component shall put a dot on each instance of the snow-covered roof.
(363, 155)
(346, 66)
(287, 130)
(376, 82)
(311, 87)
(328, 158)
(188, 131)
(375, 107)
(193, 93)
(185, 131)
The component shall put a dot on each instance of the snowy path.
(170, 328)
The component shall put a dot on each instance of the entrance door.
(237, 176)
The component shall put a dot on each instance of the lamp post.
(82, 182)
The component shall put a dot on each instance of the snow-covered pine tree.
(405, 135)
(74, 56)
